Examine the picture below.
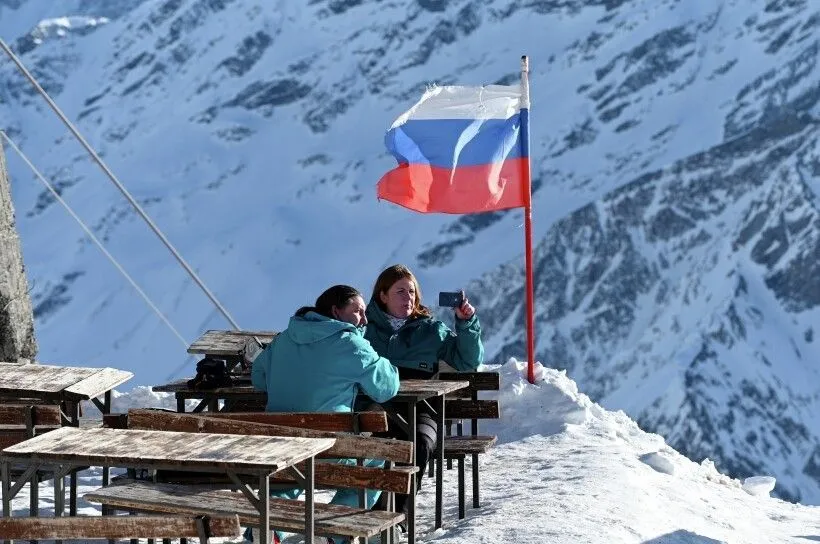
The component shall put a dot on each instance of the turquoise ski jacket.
(320, 364)
(420, 343)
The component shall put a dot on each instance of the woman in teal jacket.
(319, 364)
(402, 329)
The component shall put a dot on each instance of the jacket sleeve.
(378, 378)
(463, 349)
(261, 367)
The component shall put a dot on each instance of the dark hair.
(391, 275)
(338, 296)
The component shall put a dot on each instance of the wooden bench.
(285, 515)
(467, 406)
(118, 527)
(355, 422)
(19, 422)
(188, 493)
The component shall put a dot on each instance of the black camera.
(451, 299)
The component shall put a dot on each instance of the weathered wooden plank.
(181, 386)
(368, 422)
(15, 414)
(330, 475)
(396, 480)
(284, 514)
(9, 438)
(41, 378)
(479, 381)
(118, 447)
(454, 445)
(471, 409)
(15, 398)
(428, 388)
(399, 451)
(102, 380)
(112, 527)
(227, 343)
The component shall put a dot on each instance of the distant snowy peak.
(57, 28)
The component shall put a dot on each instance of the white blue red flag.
(460, 150)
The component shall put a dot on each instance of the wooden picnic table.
(229, 454)
(64, 385)
(402, 408)
(209, 398)
(227, 343)
(60, 383)
(409, 390)
(230, 346)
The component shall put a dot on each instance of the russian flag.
(460, 150)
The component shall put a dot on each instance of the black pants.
(426, 435)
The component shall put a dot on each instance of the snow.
(759, 485)
(567, 471)
(659, 462)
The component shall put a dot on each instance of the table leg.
(34, 498)
(309, 501)
(411, 503)
(5, 475)
(5, 488)
(106, 410)
(264, 509)
(59, 492)
(72, 482)
(440, 463)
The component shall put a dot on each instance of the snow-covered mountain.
(675, 160)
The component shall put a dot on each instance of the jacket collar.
(377, 317)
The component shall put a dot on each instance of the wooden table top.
(227, 343)
(190, 451)
(422, 389)
(39, 380)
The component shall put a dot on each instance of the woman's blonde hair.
(391, 275)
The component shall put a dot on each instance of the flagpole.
(525, 152)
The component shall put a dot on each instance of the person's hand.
(466, 310)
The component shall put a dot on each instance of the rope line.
(116, 182)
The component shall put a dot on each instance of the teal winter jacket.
(319, 364)
(421, 342)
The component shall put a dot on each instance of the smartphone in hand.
(450, 299)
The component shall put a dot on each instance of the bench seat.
(455, 446)
(110, 527)
(285, 515)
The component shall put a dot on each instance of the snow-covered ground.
(567, 471)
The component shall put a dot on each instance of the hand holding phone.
(458, 301)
